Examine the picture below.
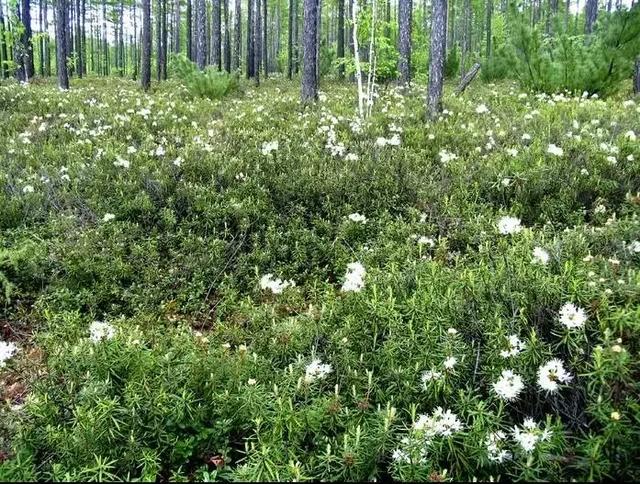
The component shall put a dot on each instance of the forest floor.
(245, 289)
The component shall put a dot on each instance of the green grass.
(205, 376)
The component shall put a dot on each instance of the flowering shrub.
(251, 289)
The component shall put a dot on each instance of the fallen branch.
(468, 77)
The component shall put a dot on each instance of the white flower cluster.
(540, 256)
(354, 278)
(447, 156)
(495, 442)
(316, 370)
(509, 225)
(358, 218)
(393, 141)
(275, 285)
(509, 385)
(269, 146)
(515, 346)
(7, 350)
(572, 317)
(99, 331)
(529, 435)
(555, 150)
(551, 374)
(440, 423)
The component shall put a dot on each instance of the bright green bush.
(210, 82)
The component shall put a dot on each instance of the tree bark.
(340, 47)
(290, 41)
(636, 77)
(405, 8)
(176, 27)
(250, 39)
(264, 45)
(145, 65)
(591, 14)
(468, 77)
(61, 44)
(201, 34)
(216, 35)
(227, 38)
(310, 52)
(489, 32)
(257, 39)
(237, 32)
(436, 60)
(4, 72)
(27, 46)
(189, 38)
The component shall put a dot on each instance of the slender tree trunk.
(27, 55)
(636, 76)
(227, 38)
(41, 42)
(135, 43)
(257, 39)
(296, 38)
(405, 8)
(318, 40)
(250, 39)
(237, 32)
(436, 60)
(489, 30)
(201, 34)
(189, 39)
(591, 15)
(340, 49)
(216, 31)
(78, 39)
(165, 40)
(264, 45)
(310, 52)
(176, 27)
(145, 65)
(290, 41)
(4, 71)
(61, 44)
(158, 40)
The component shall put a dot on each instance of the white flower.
(394, 140)
(358, 218)
(7, 350)
(100, 330)
(515, 346)
(429, 376)
(495, 442)
(634, 246)
(572, 316)
(529, 434)
(380, 141)
(423, 240)
(400, 455)
(555, 150)
(121, 162)
(512, 152)
(351, 157)
(450, 362)
(440, 422)
(630, 135)
(276, 286)
(108, 217)
(268, 147)
(482, 109)
(27, 189)
(354, 278)
(509, 225)
(316, 370)
(178, 161)
(447, 156)
(540, 256)
(552, 373)
(508, 386)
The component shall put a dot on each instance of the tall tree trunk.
(237, 33)
(176, 27)
(46, 40)
(189, 38)
(135, 44)
(264, 44)
(201, 34)
(296, 38)
(78, 39)
(158, 40)
(591, 14)
(290, 41)
(61, 44)
(405, 8)
(340, 49)
(41, 42)
(250, 39)
(257, 40)
(310, 52)
(25, 40)
(318, 40)
(451, 18)
(436, 60)
(489, 30)
(105, 45)
(145, 65)
(165, 40)
(636, 76)
(227, 38)
(216, 31)
(4, 71)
